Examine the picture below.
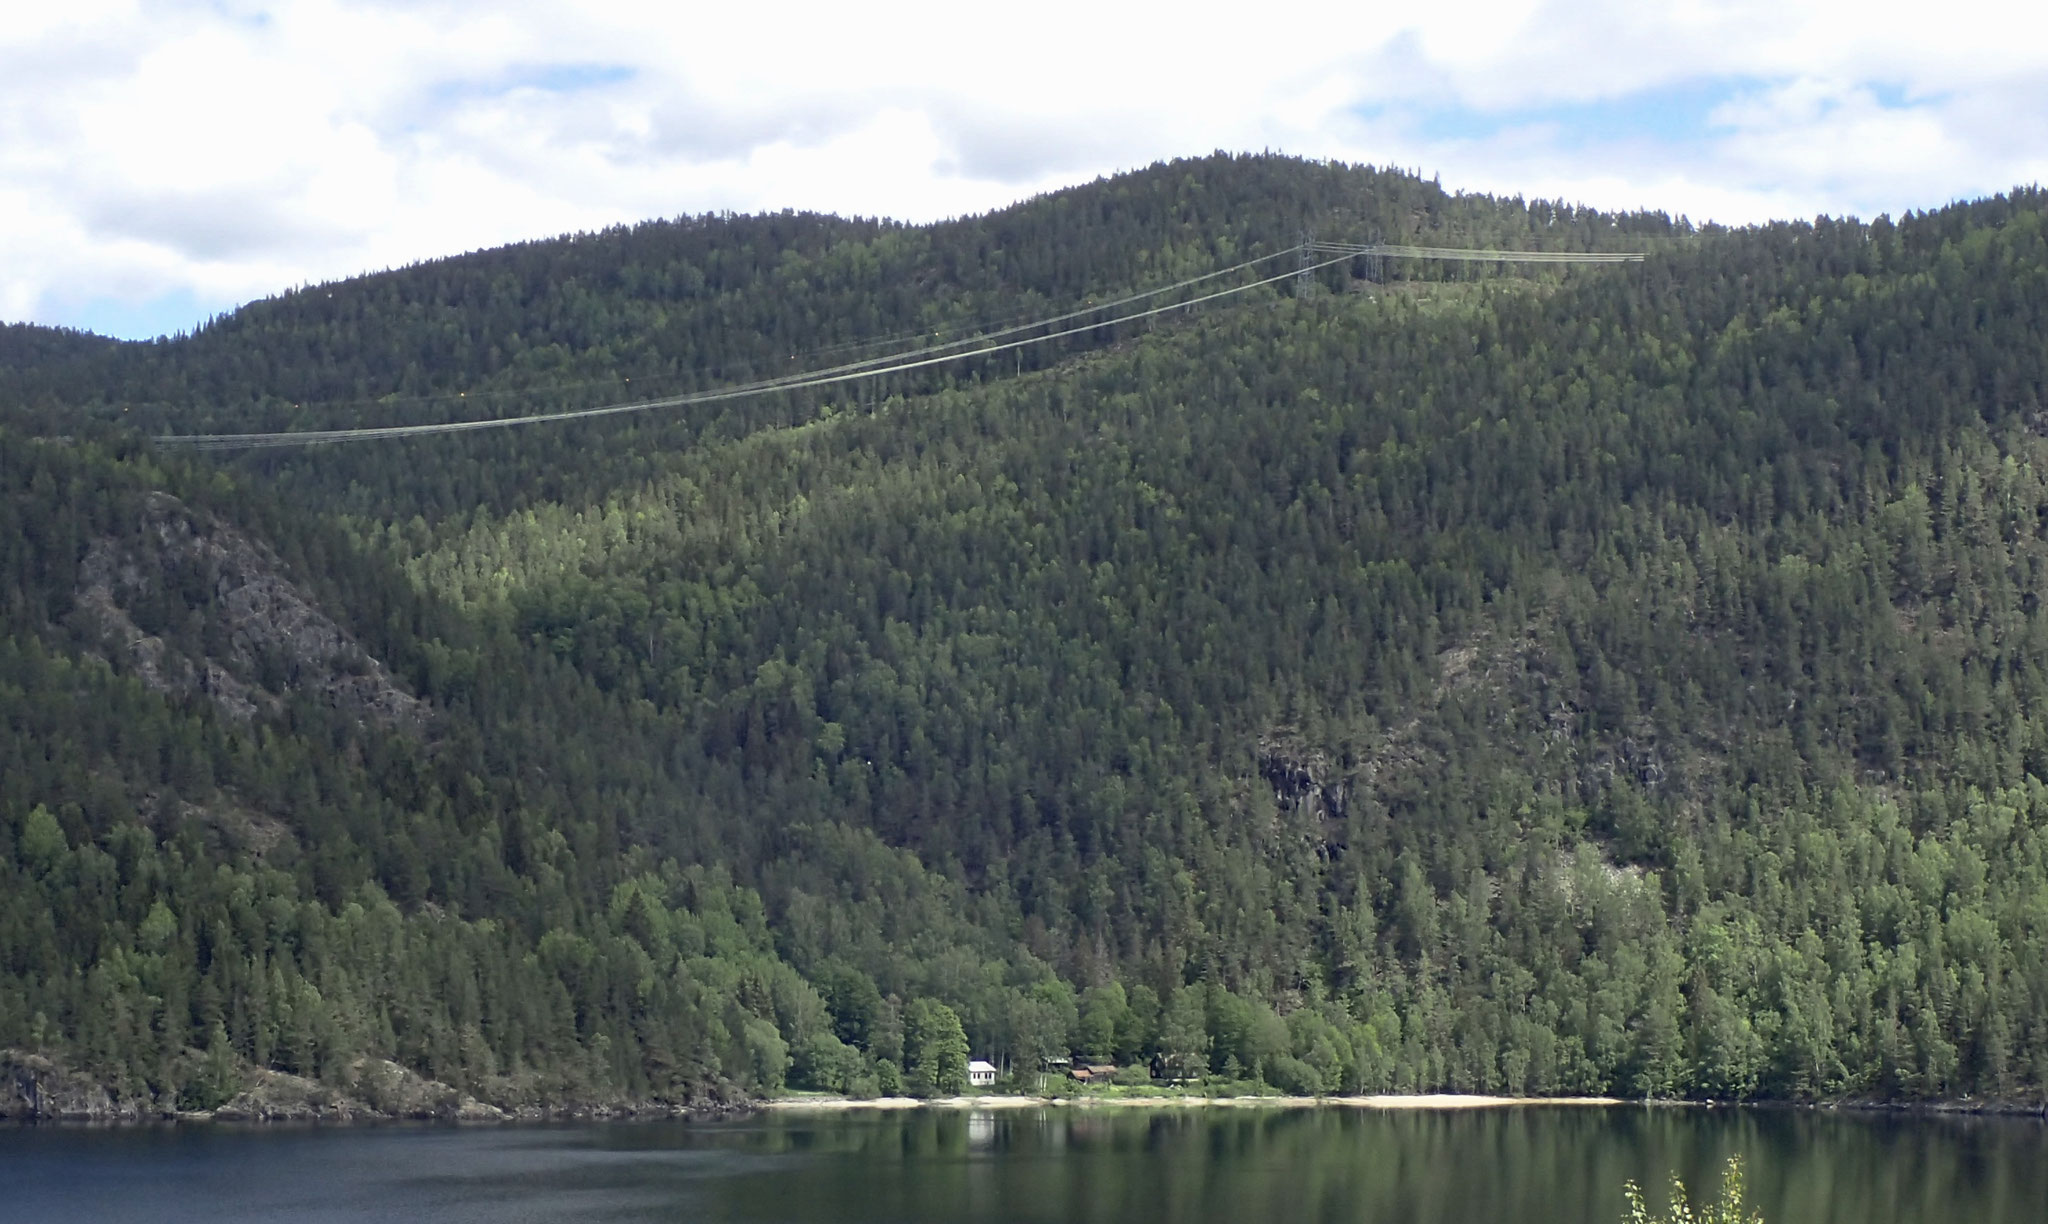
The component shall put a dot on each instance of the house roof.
(980, 1065)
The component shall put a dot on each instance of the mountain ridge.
(1612, 681)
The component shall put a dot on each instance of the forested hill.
(703, 302)
(1611, 679)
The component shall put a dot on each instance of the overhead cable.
(912, 359)
(1466, 254)
(915, 358)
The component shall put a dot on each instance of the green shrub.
(1728, 1209)
(1294, 1077)
(888, 1077)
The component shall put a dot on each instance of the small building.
(1098, 1073)
(980, 1073)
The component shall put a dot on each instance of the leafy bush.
(1728, 1209)
(827, 1064)
(1294, 1077)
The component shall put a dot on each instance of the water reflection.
(1526, 1164)
(1549, 1166)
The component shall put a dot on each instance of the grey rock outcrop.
(251, 636)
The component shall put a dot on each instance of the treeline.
(1623, 681)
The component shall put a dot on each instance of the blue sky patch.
(1677, 115)
(164, 315)
(1672, 116)
(548, 78)
(241, 15)
(1893, 96)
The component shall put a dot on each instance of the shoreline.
(1396, 1102)
(653, 1111)
(1384, 1101)
(36, 1089)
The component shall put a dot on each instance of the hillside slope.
(1622, 680)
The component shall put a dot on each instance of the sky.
(164, 162)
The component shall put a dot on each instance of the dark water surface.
(1542, 1165)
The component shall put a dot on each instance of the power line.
(924, 356)
(1469, 255)
(975, 338)
(913, 359)
(1033, 325)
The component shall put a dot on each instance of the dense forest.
(1620, 679)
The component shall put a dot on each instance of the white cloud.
(225, 150)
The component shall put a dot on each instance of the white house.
(980, 1074)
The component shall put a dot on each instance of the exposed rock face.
(1305, 788)
(198, 608)
(395, 1092)
(37, 1089)
(277, 1097)
(1300, 776)
(376, 1088)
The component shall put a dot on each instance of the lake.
(1266, 1166)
